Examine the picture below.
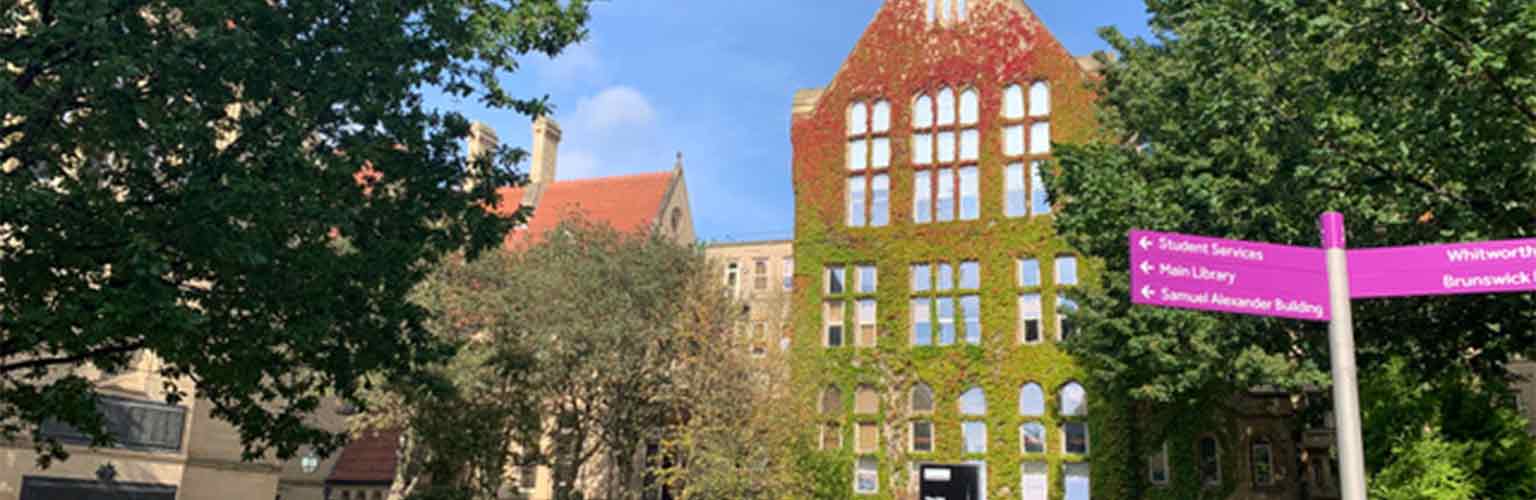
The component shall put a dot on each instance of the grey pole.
(1341, 352)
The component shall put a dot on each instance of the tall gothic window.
(946, 145)
(1026, 148)
(869, 162)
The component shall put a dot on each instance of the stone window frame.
(926, 173)
(1027, 162)
(867, 175)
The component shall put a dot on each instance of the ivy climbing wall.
(901, 55)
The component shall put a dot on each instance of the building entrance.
(949, 482)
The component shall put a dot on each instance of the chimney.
(546, 146)
(482, 142)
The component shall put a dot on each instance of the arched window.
(831, 401)
(922, 398)
(1026, 147)
(1208, 454)
(1013, 102)
(973, 402)
(946, 106)
(946, 146)
(1031, 400)
(1074, 402)
(1039, 99)
(865, 401)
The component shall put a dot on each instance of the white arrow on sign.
(1146, 291)
(1146, 267)
(1145, 243)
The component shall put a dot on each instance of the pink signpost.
(1317, 284)
(1211, 274)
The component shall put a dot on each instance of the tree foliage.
(175, 177)
(1246, 119)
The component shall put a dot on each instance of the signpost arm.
(1341, 351)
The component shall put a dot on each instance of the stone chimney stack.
(482, 142)
(546, 146)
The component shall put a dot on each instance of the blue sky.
(714, 79)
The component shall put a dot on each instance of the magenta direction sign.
(1453, 269)
(1213, 274)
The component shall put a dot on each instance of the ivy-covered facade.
(928, 275)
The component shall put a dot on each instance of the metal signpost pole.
(1341, 351)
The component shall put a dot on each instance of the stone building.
(930, 275)
(761, 274)
(654, 202)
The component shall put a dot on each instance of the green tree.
(1246, 119)
(176, 176)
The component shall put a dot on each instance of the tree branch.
(71, 359)
(1467, 45)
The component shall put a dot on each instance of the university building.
(930, 275)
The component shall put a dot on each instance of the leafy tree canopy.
(1247, 119)
(179, 178)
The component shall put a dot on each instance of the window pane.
(970, 195)
(864, 400)
(970, 144)
(970, 275)
(1031, 400)
(1039, 99)
(788, 268)
(975, 436)
(1263, 461)
(831, 437)
(1041, 200)
(922, 149)
(1035, 480)
(1013, 102)
(836, 279)
(1040, 138)
(946, 147)
(880, 201)
(1066, 270)
(880, 153)
(1209, 461)
(922, 436)
(946, 198)
(881, 118)
(1029, 272)
(922, 278)
(1013, 140)
(970, 309)
(946, 106)
(922, 197)
(1076, 481)
(968, 104)
(1064, 307)
(922, 398)
(922, 112)
(855, 202)
(1157, 466)
(946, 277)
(831, 401)
(867, 311)
(1014, 199)
(867, 477)
(868, 438)
(857, 118)
(1032, 437)
(973, 402)
(858, 155)
(1029, 317)
(1073, 400)
(1076, 436)
(867, 280)
(922, 317)
(946, 320)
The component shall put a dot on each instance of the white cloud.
(577, 64)
(613, 107)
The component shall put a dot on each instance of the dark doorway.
(949, 482)
(48, 488)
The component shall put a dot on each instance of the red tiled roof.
(626, 202)
(367, 458)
